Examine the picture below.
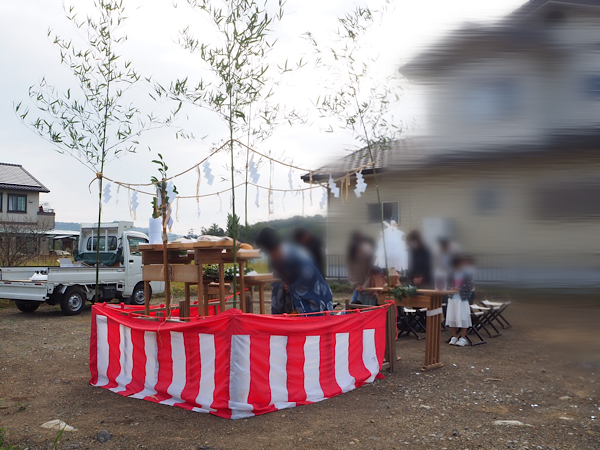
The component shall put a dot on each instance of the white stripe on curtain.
(312, 361)
(103, 349)
(239, 375)
(342, 371)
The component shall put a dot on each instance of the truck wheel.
(137, 296)
(26, 306)
(72, 301)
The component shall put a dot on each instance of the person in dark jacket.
(420, 271)
(302, 287)
(313, 246)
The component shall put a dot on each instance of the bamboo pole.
(165, 239)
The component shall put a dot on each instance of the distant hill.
(72, 226)
(314, 224)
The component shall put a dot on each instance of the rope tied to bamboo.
(99, 176)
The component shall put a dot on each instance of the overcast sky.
(152, 27)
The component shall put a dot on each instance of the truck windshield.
(134, 245)
(112, 244)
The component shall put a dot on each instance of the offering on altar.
(394, 248)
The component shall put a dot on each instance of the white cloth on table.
(458, 313)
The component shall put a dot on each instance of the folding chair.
(497, 309)
(421, 320)
(444, 309)
(486, 320)
(407, 322)
(481, 320)
(476, 325)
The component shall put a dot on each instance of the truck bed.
(16, 285)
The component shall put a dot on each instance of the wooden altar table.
(424, 298)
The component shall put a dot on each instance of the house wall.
(32, 215)
(33, 203)
(512, 234)
(547, 94)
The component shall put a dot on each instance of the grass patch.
(3, 444)
(341, 288)
(51, 261)
(3, 305)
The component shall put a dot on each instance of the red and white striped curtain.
(235, 365)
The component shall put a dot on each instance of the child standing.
(458, 314)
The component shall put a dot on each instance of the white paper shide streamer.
(171, 196)
(134, 201)
(208, 173)
(361, 186)
(253, 170)
(323, 201)
(291, 181)
(333, 188)
(106, 193)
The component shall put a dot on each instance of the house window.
(487, 201)
(491, 99)
(390, 212)
(17, 203)
(567, 200)
(112, 244)
(592, 87)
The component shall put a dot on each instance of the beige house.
(510, 165)
(23, 219)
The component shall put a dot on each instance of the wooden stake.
(186, 293)
(222, 286)
(146, 297)
(205, 287)
(200, 283)
(242, 287)
(261, 297)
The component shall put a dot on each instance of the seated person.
(302, 287)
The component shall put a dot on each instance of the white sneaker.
(453, 341)
(462, 342)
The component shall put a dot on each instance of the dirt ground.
(543, 372)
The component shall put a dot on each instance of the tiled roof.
(420, 153)
(14, 176)
(533, 5)
(405, 152)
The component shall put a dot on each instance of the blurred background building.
(510, 163)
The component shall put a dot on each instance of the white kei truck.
(71, 284)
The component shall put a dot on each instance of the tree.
(356, 99)
(191, 234)
(233, 224)
(95, 121)
(213, 230)
(237, 60)
(20, 240)
(161, 208)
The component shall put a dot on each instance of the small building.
(62, 243)
(23, 218)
